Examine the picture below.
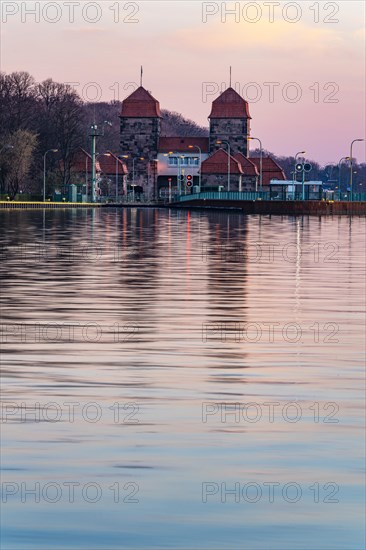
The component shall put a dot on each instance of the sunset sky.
(186, 61)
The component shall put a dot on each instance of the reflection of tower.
(230, 121)
(140, 131)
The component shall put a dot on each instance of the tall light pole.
(228, 161)
(44, 171)
(297, 154)
(260, 165)
(200, 163)
(94, 133)
(351, 168)
(339, 173)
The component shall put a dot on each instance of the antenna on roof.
(141, 75)
(230, 77)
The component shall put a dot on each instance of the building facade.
(160, 164)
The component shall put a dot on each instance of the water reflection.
(147, 352)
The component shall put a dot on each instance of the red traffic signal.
(189, 180)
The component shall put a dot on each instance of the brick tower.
(139, 132)
(230, 121)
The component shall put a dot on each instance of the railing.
(227, 196)
(253, 196)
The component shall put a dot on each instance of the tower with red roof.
(140, 127)
(230, 121)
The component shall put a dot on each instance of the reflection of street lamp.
(228, 161)
(260, 165)
(200, 163)
(44, 171)
(350, 167)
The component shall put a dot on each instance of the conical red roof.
(230, 105)
(140, 104)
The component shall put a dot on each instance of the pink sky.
(186, 61)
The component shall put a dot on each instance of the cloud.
(275, 37)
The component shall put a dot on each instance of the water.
(154, 361)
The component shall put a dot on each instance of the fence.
(252, 196)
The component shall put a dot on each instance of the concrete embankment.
(295, 208)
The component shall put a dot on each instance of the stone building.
(230, 122)
(159, 163)
(140, 128)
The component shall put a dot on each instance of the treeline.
(36, 117)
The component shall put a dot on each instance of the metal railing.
(227, 196)
(260, 195)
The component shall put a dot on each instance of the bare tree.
(18, 161)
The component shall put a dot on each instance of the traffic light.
(299, 167)
(189, 180)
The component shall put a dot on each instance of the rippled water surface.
(183, 380)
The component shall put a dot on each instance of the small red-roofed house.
(270, 169)
(215, 172)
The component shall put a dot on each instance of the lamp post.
(339, 174)
(94, 133)
(44, 171)
(228, 161)
(179, 166)
(295, 175)
(351, 168)
(200, 163)
(260, 165)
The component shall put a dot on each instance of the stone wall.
(212, 182)
(233, 130)
(139, 137)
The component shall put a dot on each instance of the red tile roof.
(82, 162)
(249, 168)
(140, 104)
(218, 164)
(270, 168)
(181, 144)
(230, 105)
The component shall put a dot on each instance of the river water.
(182, 380)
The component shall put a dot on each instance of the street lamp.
(260, 165)
(200, 163)
(94, 133)
(44, 171)
(339, 173)
(297, 154)
(350, 167)
(219, 141)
